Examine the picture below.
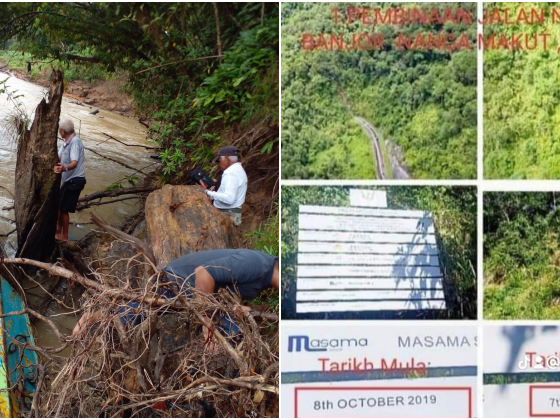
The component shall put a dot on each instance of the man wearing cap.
(233, 188)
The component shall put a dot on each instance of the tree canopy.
(190, 65)
(521, 99)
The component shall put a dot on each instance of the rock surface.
(180, 220)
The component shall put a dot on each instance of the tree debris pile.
(160, 366)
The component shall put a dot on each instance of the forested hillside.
(424, 100)
(522, 100)
(521, 255)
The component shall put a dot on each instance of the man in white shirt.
(231, 195)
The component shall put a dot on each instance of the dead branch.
(8, 191)
(263, 315)
(34, 407)
(218, 35)
(114, 366)
(113, 160)
(115, 193)
(29, 311)
(132, 145)
(7, 219)
(4, 235)
(178, 62)
(100, 203)
(135, 242)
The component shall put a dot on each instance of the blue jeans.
(133, 317)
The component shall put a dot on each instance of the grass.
(266, 239)
(526, 293)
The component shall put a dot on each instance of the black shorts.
(70, 193)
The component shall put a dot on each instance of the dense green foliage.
(197, 69)
(18, 60)
(521, 256)
(522, 101)
(265, 238)
(454, 210)
(425, 101)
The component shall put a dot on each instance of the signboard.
(381, 371)
(522, 371)
(356, 259)
(368, 198)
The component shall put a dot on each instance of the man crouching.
(71, 166)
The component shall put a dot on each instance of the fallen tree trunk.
(37, 187)
(139, 244)
(137, 297)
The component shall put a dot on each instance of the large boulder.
(180, 220)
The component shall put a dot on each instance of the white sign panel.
(522, 371)
(529, 348)
(355, 259)
(368, 198)
(383, 371)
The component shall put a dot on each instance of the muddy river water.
(100, 172)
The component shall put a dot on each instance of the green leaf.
(237, 81)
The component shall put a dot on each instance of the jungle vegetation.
(197, 71)
(521, 255)
(521, 98)
(422, 100)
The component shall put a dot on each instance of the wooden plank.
(341, 295)
(5, 400)
(368, 198)
(18, 326)
(352, 259)
(362, 248)
(365, 224)
(360, 237)
(373, 271)
(364, 212)
(304, 283)
(387, 305)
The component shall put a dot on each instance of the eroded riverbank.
(100, 171)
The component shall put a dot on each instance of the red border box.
(533, 387)
(385, 388)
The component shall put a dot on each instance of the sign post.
(353, 259)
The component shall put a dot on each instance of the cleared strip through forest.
(376, 147)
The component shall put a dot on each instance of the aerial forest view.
(139, 221)
(521, 255)
(379, 90)
(521, 96)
